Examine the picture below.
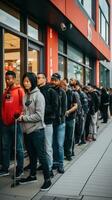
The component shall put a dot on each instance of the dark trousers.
(69, 136)
(36, 149)
(105, 113)
(8, 137)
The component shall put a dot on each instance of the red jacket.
(12, 103)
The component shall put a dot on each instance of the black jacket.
(62, 105)
(51, 103)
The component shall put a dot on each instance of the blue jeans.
(58, 144)
(48, 144)
(8, 139)
(36, 149)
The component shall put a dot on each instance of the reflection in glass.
(87, 75)
(12, 54)
(103, 27)
(33, 60)
(33, 30)
(104, 19)
(88, 7)
(61, 46)
(87, 4)
(75, 71)
(9, 20)
(75, 55)
(105, 8)
(104, 76)
(61, 66)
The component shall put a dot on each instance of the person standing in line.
(110, 102)
(12, 107)
(59, 125)
(34, 127)
(70, 116)
(85, 109)
(51, 108)
(104, 104)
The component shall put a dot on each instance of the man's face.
(10, 80)
(55, 82)
(41, 80)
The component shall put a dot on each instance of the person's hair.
(32, 78)
(12, 73)
(43, 74)
(66, 79)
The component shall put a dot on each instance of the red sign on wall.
(51, 52)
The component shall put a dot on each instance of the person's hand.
(67, 113)
(20, 119)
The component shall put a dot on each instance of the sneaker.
(46, 185)
(18, 175)
(61, 170)
(94, 137)
(54, 166)
(51, 174)
(27, 167)
(29, 179)
(4, 173)
(69, 158)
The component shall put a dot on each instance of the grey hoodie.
(33, 117)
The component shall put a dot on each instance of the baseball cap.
(56, 76)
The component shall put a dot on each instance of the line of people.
(52, 118)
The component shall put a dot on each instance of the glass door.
(12, 54)
(33, 59)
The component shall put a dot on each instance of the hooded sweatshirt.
(12, 104)
(34, 108)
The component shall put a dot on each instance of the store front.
(72, 63)
(21, 47)
(104, 76)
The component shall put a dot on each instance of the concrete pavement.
(87, 177)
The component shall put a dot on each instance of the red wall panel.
(60, 4)
(80, 20)
(97, 73)
(51, 52)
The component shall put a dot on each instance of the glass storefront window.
(104, 76)
(105, 8)
(33, 60)
(33, 30)
(88, 7)
(74, 54)
(12, 54)
(87, 75)
(61, 46)
(61, 66)
(103, 27)
(9, 17)
(104, 20)
(75, 71)
(87, 4)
